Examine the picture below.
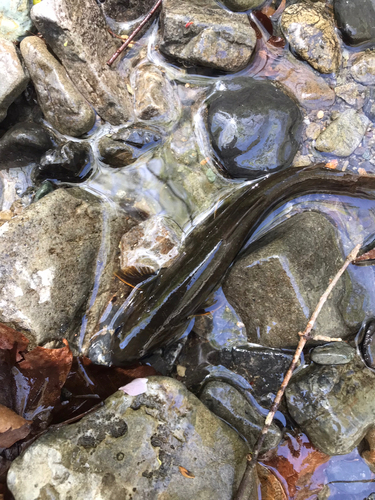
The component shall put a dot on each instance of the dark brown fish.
(160, 306)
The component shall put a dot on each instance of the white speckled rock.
(133, 448)
(15, 18)
(13, 76)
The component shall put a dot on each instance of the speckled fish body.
(158, 308)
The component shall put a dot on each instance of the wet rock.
(309, 89)
(63, 106)
(78, 35)
(311, 34)
(255, 127)
(14, 78)
(150, 246)
(49, 261)
(122, 11)
(217, 38)
(263, 368)
(343, 135)
(133, 448)
(71, 162)
(369, 454)
(23, 144)
(46, 188)
(334, 405)
(363, 68)
(276, 285)
(155, 97)
(126, 145)
(334, 353)
(352, 93)
(368, 344)
(15, 19)
(369, 105)
(355, 19)
(230, 405)
(242, 5)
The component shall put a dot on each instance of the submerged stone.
(136, 447)
(334, 353)
(24, 144)
(276, 284)
(129, 10)
(343, 135)
(255, 127)
(233, 407)
(215, 38)
(242, 5)
(63, 106)
(363, 68)
(355, 19)
(71, 162)
(14, 78)
(126, 145)
(334, 405)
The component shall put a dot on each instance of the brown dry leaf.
(12, 427)
(332, 164)
(186, 473)
(271, 487)
(10, 338)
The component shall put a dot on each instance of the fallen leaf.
(39, 379)
(12, 427)
(186, 473)
(271, 487)
(136, 387)
(10, 339)
(332, 164)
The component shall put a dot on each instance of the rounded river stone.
(334, 353)
(356, 21)
(255, 127)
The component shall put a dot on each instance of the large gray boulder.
(277, 284)
(134, 447)
(48, 265)
(200, 32)
(78, 35)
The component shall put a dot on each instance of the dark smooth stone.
(124, 147)
(255, 127)
(368, 345)
(24, 144)
(356, 21)
(125, 10)
(46, 188)
(369, 106)
(71, 162)
(334, 353)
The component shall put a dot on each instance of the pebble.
(320, 114)
(334, 353)
(363, 68)
(344, 135)
(313, 130)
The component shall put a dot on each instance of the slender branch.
(135, 32)
(246, 488)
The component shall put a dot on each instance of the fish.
(158, 309)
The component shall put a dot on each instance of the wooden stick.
(135, 32)
(246, 488)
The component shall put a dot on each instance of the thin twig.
(246, 488)
(135, 32)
